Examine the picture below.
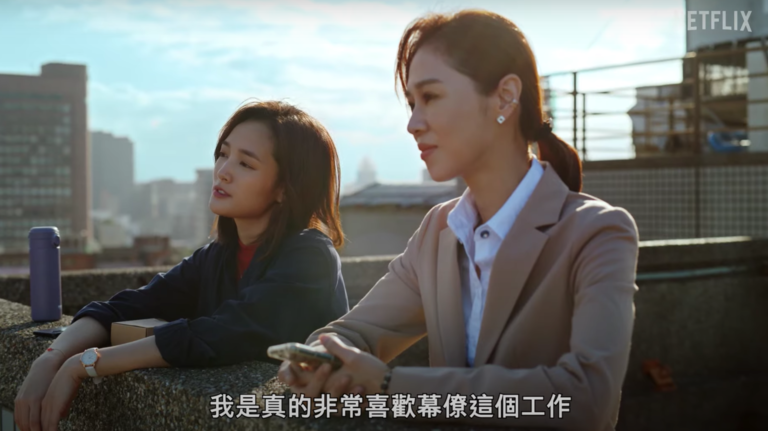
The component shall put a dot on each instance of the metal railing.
(706, 92)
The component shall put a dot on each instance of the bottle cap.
(44, 232)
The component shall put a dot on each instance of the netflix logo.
(719, 20)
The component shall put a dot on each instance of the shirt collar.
(505, 217)
(463, 218)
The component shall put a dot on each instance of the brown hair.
(308, 170)
(486, 47)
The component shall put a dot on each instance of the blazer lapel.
(516, 257)
(450, 314)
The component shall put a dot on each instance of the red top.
(244, 256)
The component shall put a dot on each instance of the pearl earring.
(501, 119)
(514, 101)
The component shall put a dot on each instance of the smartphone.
(302, 354)
(50, 333)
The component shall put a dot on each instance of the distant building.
(203, 215)
(366, 172)
(380, 218)
(366, 175)
(732, 90)
(44, 159)
(735, 85)
(112, 231)
(165, 208)
(725, 30)
(112, 167)
(653, 118)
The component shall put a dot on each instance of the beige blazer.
(558, 316)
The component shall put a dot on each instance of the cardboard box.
(132, 330)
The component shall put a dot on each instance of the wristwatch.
(89, 358)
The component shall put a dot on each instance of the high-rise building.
(111, 172)
(44, 158)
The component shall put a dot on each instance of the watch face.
(89, 357)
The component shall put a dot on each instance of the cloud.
(604, 34)
(172, 99)
(335, 60)
(201, 32)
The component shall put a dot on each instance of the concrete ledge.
(179, 398)
(361, 273)
(700, 253)
(166, 398)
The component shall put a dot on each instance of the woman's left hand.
(61, 392)
(360, 371)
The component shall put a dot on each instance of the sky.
(168, 73)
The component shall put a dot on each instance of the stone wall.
(161, 398)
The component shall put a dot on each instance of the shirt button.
(484, 234)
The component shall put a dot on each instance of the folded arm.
(168, 296)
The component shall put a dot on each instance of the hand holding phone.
(302, 354)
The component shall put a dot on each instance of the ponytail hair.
(563, 157)
(486, 47)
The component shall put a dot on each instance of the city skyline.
(44, 175)
(168, 74)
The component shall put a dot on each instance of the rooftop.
(402, 195)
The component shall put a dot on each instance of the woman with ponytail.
(524, 285)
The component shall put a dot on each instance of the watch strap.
(91, 370)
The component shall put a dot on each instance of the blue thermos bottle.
(45, 273)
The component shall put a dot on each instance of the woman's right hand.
(311, 381)
(295, 375)
(27, 406)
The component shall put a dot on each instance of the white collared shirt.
(481, 246)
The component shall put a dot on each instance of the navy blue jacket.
(213, 319)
